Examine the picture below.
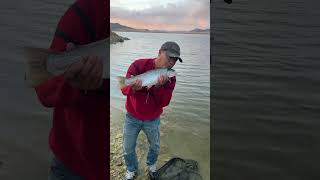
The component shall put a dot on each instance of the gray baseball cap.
(172, 49)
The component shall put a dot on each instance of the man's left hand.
(162, 80)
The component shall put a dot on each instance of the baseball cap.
(172, 49)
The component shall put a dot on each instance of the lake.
(266, 90)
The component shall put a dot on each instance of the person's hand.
(137, 85)
(163, 79)
(85, 74)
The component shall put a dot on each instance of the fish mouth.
(171, 72)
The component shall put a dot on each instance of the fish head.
(171, 72)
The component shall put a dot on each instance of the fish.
(148, 78)
(42, 64)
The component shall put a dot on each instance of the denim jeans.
(59, 172)
(132, 127)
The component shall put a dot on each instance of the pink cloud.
(183, 16)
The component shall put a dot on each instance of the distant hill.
(119, 27)
(123, 28)
(200, 30)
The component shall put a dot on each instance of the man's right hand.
(85, 74)
(137, 85)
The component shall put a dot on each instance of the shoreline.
(170, 135)
(165, 32)
(115, 38)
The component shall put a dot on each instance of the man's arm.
(163, 94)
(130, 90)
(57, 91)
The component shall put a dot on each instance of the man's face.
(166, 61)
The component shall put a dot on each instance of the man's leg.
(59, 172)
(131, 130)
(152, 131)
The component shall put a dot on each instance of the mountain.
(200, 30)
(123, 28)
(119, 27)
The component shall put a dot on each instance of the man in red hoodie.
(79, 137)
(144, 107)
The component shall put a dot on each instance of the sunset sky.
(162, 15)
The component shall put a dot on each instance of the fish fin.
(36, 61)
(121, 81)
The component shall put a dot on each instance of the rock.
(119, 136)
(115, 38)
(120, 163)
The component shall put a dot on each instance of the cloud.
(181, 15)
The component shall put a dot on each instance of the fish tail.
(121, 81)
(36, 62)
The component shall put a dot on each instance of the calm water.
(24, 122)
(188, 115)
(266, 80)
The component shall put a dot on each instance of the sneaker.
(130, 175)
(152, 171)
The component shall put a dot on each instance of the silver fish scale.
(148, 78)
(58, 63)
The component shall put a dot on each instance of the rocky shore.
(115, 38)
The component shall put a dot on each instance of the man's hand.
(162, 80)
(85, 74)
(137, 85)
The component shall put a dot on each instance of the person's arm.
(127, 91)
(57, 91)
(130, 90)
(163, 94)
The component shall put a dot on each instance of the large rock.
(115, 38)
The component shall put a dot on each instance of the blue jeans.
(59, 172)
(132, 127)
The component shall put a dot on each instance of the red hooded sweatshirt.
(79, 136)
(147, 104)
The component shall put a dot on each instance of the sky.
(172, 15)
